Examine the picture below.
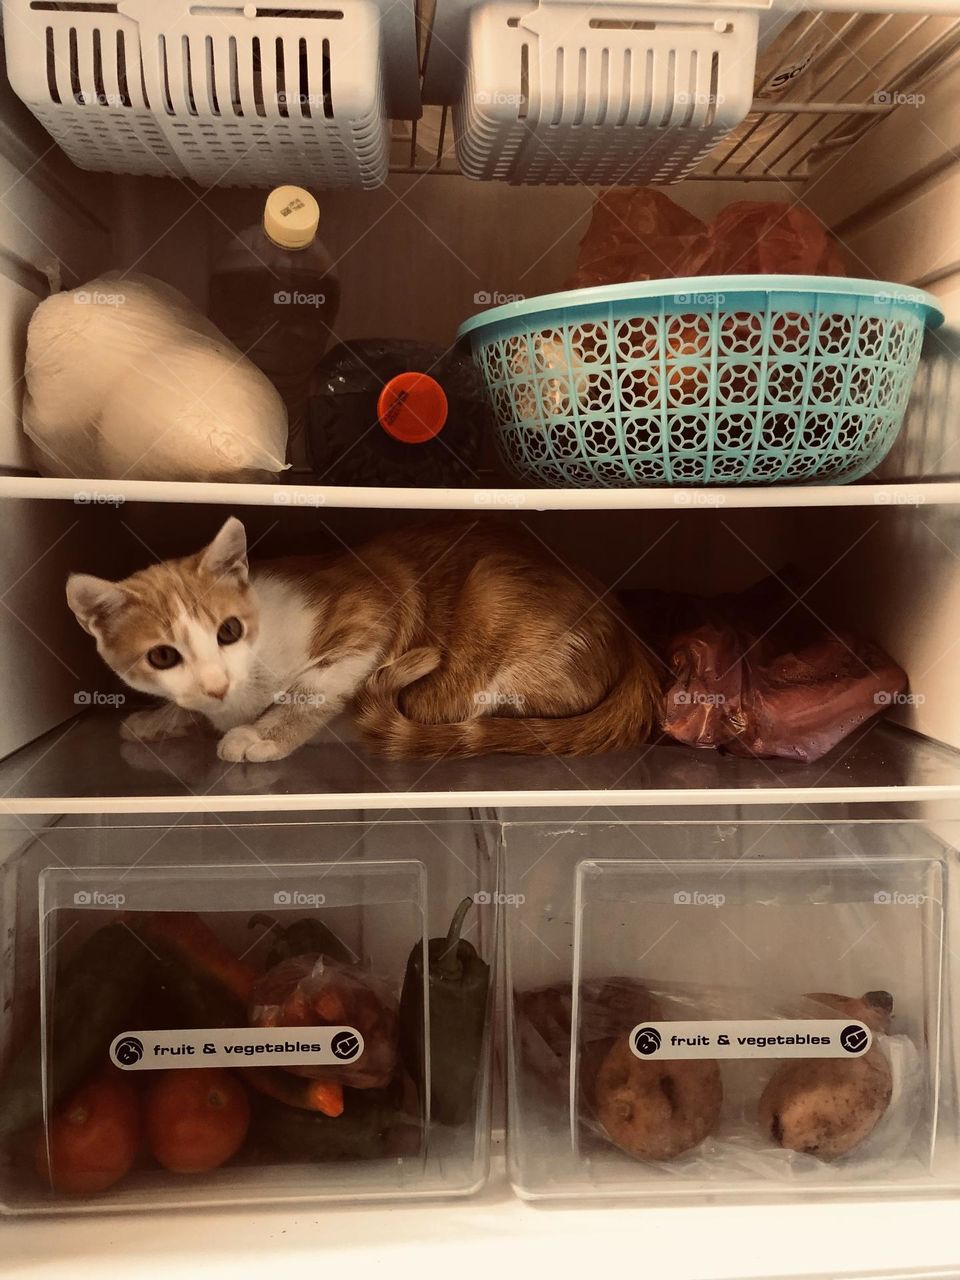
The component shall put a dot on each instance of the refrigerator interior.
(879, 565)
(416, 257)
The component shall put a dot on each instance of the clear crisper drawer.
(747, 1011)
(210, 1014)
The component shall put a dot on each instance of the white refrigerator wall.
(895, 201)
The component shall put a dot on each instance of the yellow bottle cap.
(291, 217)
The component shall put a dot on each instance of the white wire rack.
(856, 70)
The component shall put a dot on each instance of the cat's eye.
(230, 631)
(163, 657)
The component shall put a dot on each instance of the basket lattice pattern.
(709, 396)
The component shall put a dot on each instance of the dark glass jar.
(397, 412)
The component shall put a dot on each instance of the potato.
(827, 1106)
(544, 1027)
(656, 1110)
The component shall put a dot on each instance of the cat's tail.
(624, 719)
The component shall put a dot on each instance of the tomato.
(196, 1118)
(93, 1138)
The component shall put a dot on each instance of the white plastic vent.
(221, 92)
(579, 93)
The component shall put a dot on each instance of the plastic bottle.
(397, 412)
(275, 294)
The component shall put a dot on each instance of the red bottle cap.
(412, 408)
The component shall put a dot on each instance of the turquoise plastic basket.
(705, 381)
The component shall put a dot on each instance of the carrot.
(296, 1091)
(194, 944)
(329, 1008)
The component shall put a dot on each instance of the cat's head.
(183, 630)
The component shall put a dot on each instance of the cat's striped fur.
(443, 640)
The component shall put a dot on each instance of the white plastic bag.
(127, 380)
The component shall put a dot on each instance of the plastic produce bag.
(637, 233)
(316, 991)
(756, 673)
(732, 691)
(127, 380)
(757, 237)
(545, 1028)
(642, 234)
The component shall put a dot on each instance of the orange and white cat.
(443, 640)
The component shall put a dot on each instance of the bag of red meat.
(757, 673)
(758, 237)
(315, 991)
(731, 690)
(637, 233)
(641, 233)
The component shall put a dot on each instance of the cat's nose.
(216, 690)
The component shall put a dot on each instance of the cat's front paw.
(154, 726)
(245, 743)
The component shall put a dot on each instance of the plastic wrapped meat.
(819, 694)
(757, 674)
(796, 705)
(637, 233)
(642, 234)
(759, 237)
(704, 704)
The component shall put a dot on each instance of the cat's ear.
(93, 599)
(226, 555)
